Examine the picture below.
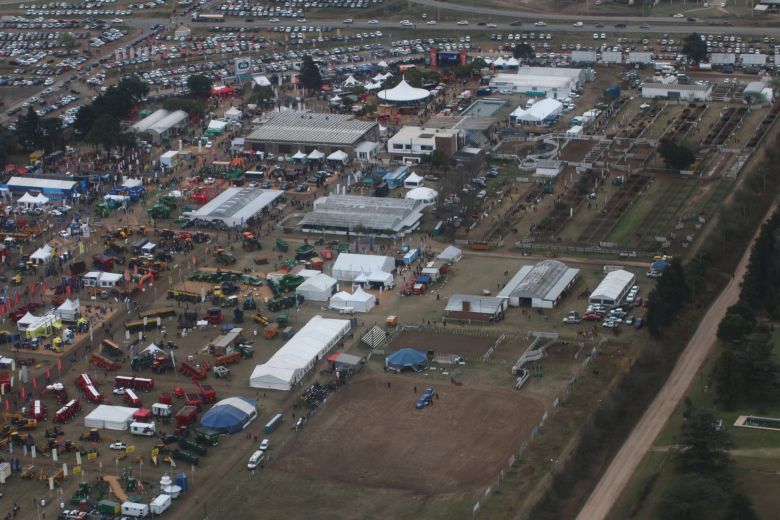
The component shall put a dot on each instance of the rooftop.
(702, 88)
(235, 206)
(311, 127)
(407, 133)
(545, 280)
(351, 211)
(38, 182)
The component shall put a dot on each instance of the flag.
(34, 383)
(16, 298)
(81, 248)
(48, 373)
(127, 275)
(59, 365)
(24, 394)
(67, 290)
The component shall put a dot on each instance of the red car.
(591, 316)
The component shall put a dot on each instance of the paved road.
(631, 454)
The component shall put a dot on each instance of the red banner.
(434, 57)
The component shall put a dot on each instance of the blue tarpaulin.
(406, 358)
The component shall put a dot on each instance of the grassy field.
(755, 454)
(625, 230)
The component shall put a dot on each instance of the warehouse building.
(164, 127)
(613, 288)
(556, 83)
(343, 214)
(466, 307)
(675, 91)
(290, 131)
(540, 286)
(53, 189)
(236, 206)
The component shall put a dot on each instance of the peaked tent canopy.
(230, 415)
(315, 155)
(262, 81)
(318, 288)
(350, 81)
(403, 93)
(413, 181)
(406, 359)
(299, 156)
(152, 349)
(338, 155)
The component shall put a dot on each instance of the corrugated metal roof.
(37, 182)
(310, 127)
(377, 213)
(235, 205)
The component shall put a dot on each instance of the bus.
(254, 174)
(198, 17)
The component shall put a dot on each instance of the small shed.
(450, 255)
(472, 307)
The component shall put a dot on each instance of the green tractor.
(168, 201)
(102, 210)
(225, 257)
(159, 211)
(281, 245)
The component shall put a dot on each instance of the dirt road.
(625, 463)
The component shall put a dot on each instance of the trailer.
(160, 504)
(131, 399)
(37, 411)
(92, 394)
(65, 413)
(185, 456)
(162, 410)
(191, 399)
(186, 416)
(83, 381)
(205, 436)
(194, 447)
(194, 372)
(109, 348)
(207, 392)
(273, 424)
(228, 359)
(58, 391)
(103, 362)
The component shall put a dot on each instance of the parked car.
(118, 446)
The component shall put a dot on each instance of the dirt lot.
(370, 433)
(466, 346)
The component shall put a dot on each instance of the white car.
(264, 444)
(348, 20)
(463, 22)
(118, 446)
(373, 22)
(679, 15)
(540, 24)
(577, 24)
(274, 20)
(491, 25)
(431, 22)
(119, 391)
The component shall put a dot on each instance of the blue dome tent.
(406, 358)
(230, 415)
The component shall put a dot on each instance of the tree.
(733, 328)
(67, 40)
(85, 118)
(704, 448)
(310, 74)
(192, 106)
(439, 159)
(669, 295)
(695, 48)
(8, 144)
(676, 156)
(51, 134)
(135, 87)
(105, 131)
(523, 51)
(28, 129)
(261, 95)
(689, 496)
(740, 508)
(199, 86)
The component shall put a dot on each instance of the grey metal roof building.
(341, 213)
(540, 286)
(289, 131)
(472, 307)
(235, 206)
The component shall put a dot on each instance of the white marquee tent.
(451, 254)
(541, 112)
(403, 93)
(110, 417)
(68, 311)
(338, 155)
(426, 195)
(299, 156)
(29, 201)
(348, 266)
(300, 354)
(42, 254)
(350, 81)
(413, 181)
(315, 155)
(318, 288)
(359, 301)
(612, 288)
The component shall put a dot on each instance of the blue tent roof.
(407, 358)
(229, 415)
(659, 265)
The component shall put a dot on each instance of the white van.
(160, 504)
(135, 509)
(256, 460)
(145, 429)
(161, 410)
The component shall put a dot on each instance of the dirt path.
(633, 451)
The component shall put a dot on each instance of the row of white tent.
(316, 155)
(323, 288)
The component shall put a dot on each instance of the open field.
(371, 434)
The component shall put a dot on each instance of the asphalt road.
(624, 465)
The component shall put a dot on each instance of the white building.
(416, 140)
(544, 112)
(540, 286)
(342, 214)
(348, 266)
(681, 92)
(613, 288)
(554, 82)
(358, 301)
(291, 362)
(102, 279)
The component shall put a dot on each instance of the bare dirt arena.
(371, 435)
(466, 346)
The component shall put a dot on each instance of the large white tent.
(426, 195)
(110, 417)
(612, 288)
(358, 301)
(42, 254)
(348, 266)
(338, 155)
(68, 311)
(315, 155)
(291, 362)
(29, 201)
(318, 288)
(541, 112)
(381, 279)
(403, 93)
(413, 181)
